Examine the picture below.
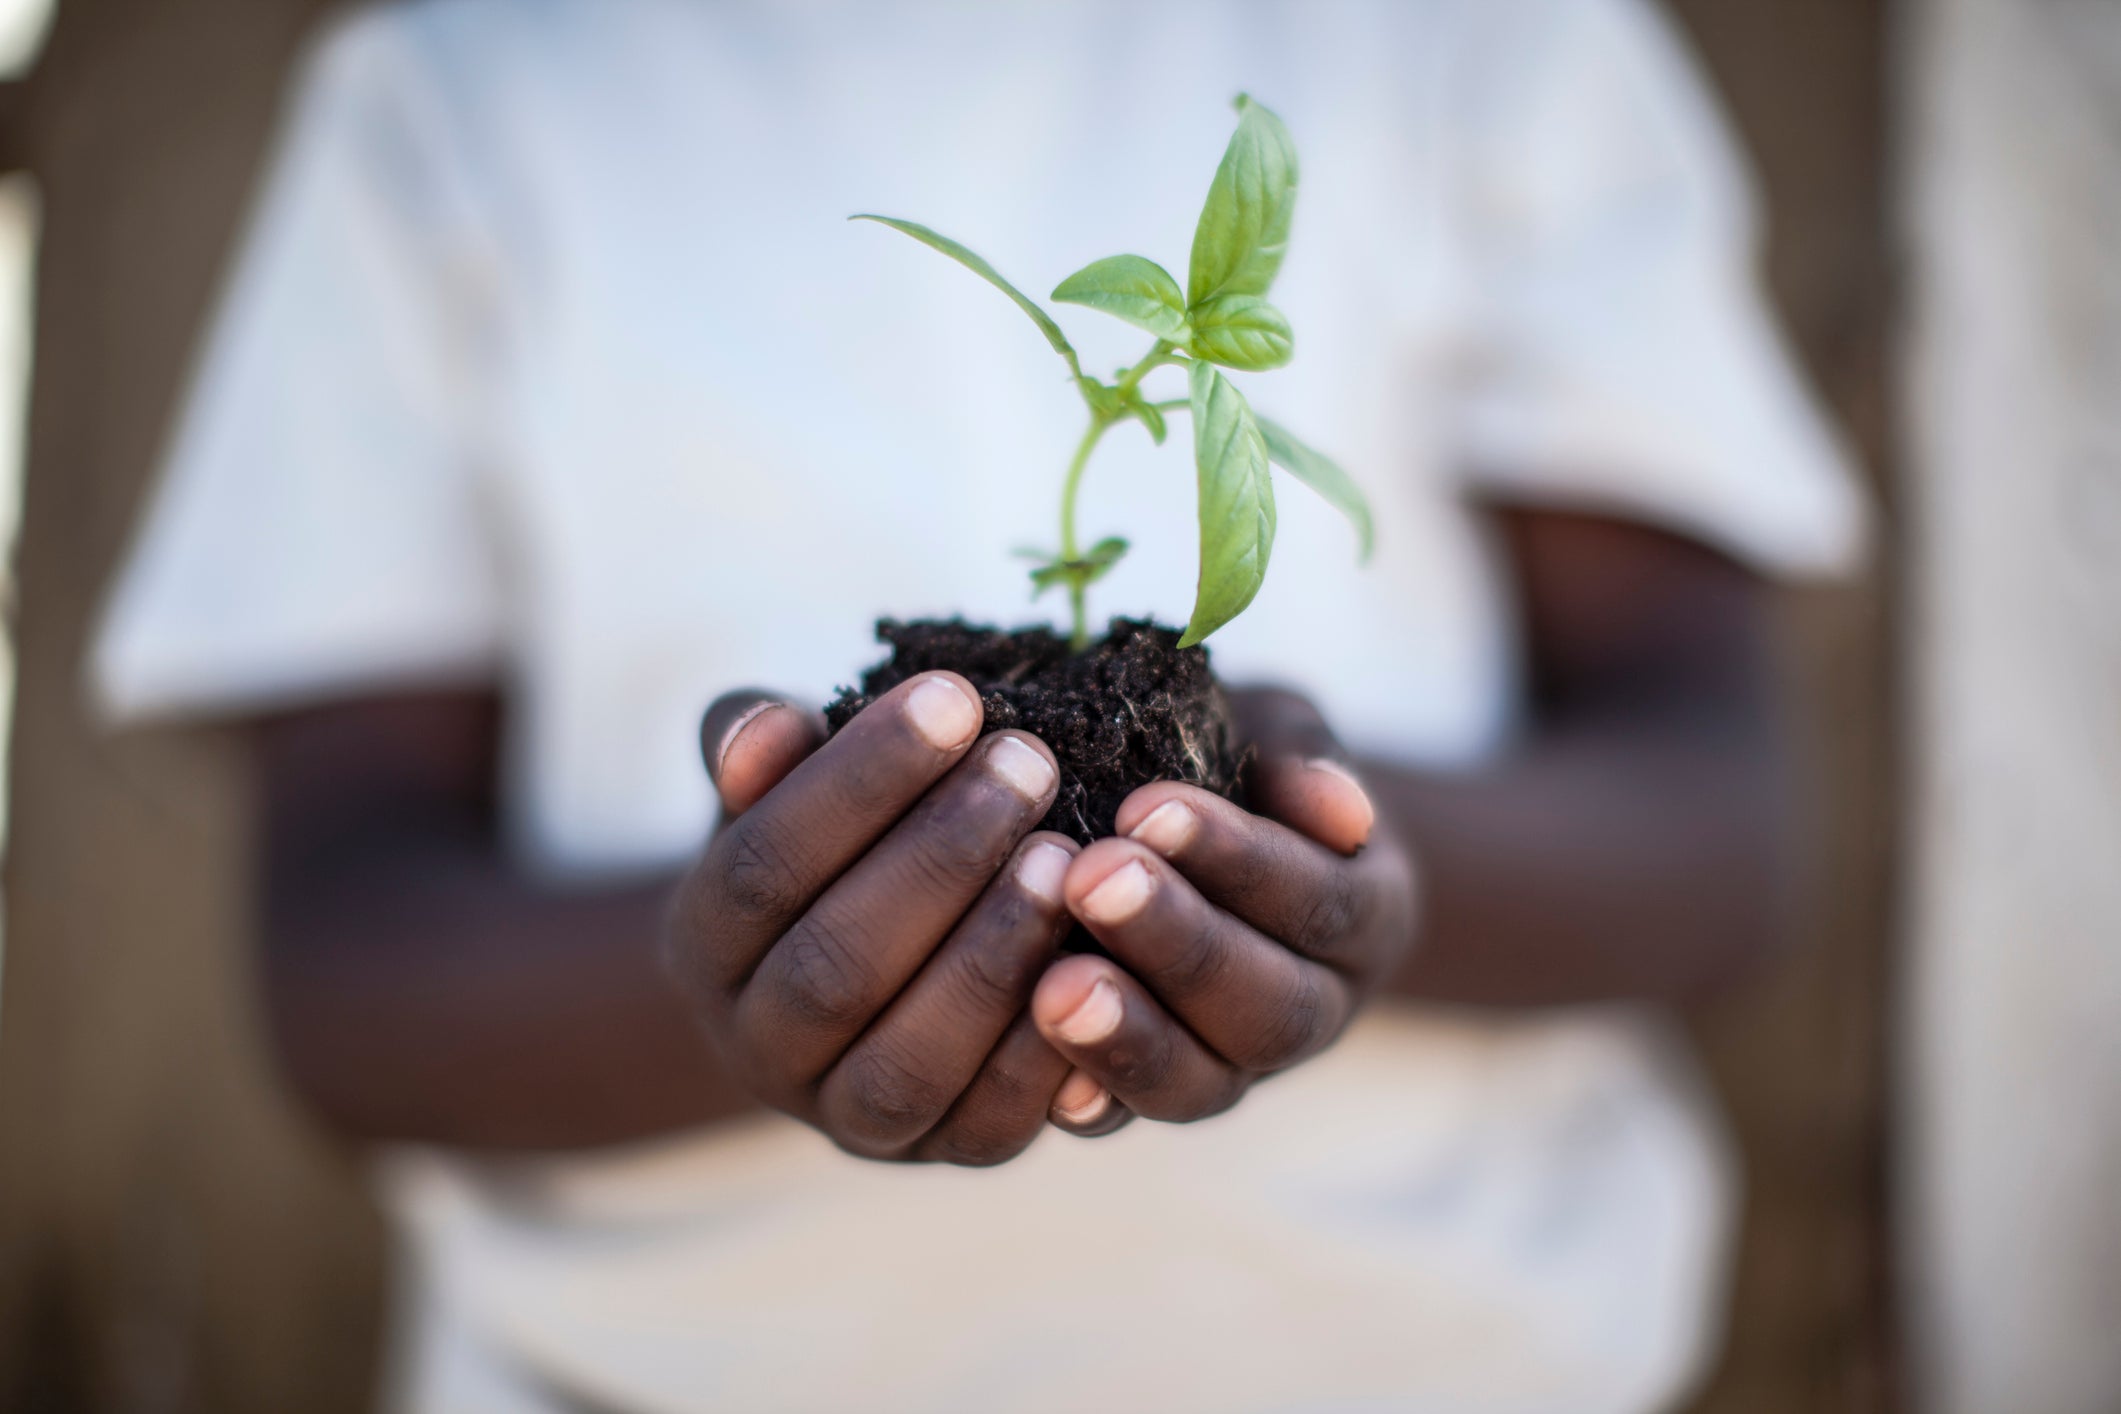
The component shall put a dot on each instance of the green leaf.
(1241, 331)
(1088, 570)
(1104, 555)
(1244, 224)
(936, 241)
(1132, 288)
(1322, 474)
(1236, 503)
(1150, 416)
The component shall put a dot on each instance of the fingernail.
(1080, 1099)
(1095, 1017)
(1168, 829)
(736, 729)
(942, 713)
(1028, 773)
(1120, 895)
(1041, 870)
(1367, 813)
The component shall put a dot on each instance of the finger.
(1255, 1003)
(1098, 1017)
(751, 739)
(909, 1068)
(830, 974)
(1315, 796)
(1004, 1108)
(1085, 1108)
(1298, 892)
(1298, 773)
(773, 861)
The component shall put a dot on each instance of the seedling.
(1221, 319)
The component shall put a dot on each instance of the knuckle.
(1014, 1086)
(961, 848)
(760, 868)
(1199, 964)
(952, 866)
(990, 976)
(868, 789)
(1327, 917)
(981, 1143)
(885, 1100)
(1292, 1028)
(1140, 1066)
(820, 981)
(1276, 858)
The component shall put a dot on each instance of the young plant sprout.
(1221, 319)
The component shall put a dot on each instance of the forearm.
(426, 992)
(1615, 856)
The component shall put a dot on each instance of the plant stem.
(1079, 634)
(1070, 549)
(1157, 356)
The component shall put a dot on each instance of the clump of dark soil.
(1133, 709)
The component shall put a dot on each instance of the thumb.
(1298, 773)
(750, 740)
(1315, 796)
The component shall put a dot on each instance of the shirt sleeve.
(318, 523)
(1620, 355)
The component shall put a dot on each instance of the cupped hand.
(863, 934)
(1242, 941)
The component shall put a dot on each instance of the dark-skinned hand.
(864, 934)
(1241, 941)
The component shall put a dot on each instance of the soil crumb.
(1133, 709)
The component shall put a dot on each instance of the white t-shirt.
(551, 356)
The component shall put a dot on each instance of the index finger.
(774, 860)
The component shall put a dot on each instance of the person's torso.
(731, 429)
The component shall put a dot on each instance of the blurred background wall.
(170, 1237)
(1802, 1062)
(2011, 1114)
(173, 1238)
